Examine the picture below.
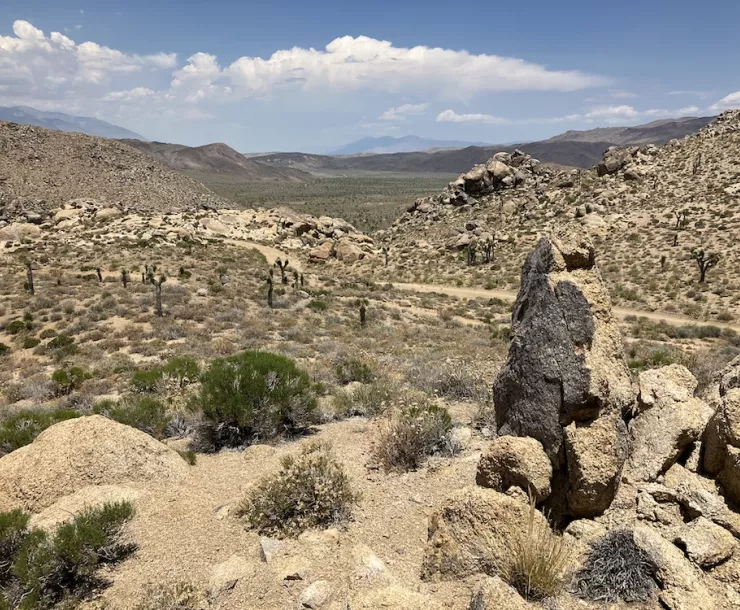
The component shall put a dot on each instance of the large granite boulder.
(566, 366)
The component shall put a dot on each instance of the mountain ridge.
(59, 121)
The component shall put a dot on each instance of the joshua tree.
(363, 313)
(295, 280)
(696, 165)
(147, 276)
(124, 277)
(662, 261)
(385, 254)
(283, 266)
(681, 218)
(472, 250)
(269, 290)
(29, 278)
(675, 240)
(100, 274)
(158, 293)
(301, 280)
(705, 261)
(488, 248)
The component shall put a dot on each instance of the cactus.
(158, 293)
(269, 289)
(124, 278)
(29, 278)
(385, 254)
(472, 252)
(363, 312)
(705, 261)
(283, 266)
(100, 274)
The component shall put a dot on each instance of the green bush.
(13, 529)
(30, 342)
(354, 370)
(14, 327)
(4, 349)
(23, 427)
(183, 368)
(68, 380)
(48, 570)
(417, 432)
(317, 305)
(146, 380)
(62, 346)
(252, 396)
(48, 333)
(142, 412)
(369, 400)
(309, 491)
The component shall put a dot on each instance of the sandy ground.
(185, 530)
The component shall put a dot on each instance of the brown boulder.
(513, 461)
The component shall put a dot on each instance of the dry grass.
(538, 561)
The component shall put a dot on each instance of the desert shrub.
(48, 333)
(142, 412)
(4, 349)
(449, 379)
(311, 490)
(23, 427)
(537, 562)
(370, 400)
(351, 369)
(13, 530)
(415, 433)
(49, 569)
(180, 596)
(189, 456)
(616, 568)
(317, 305)
(62, 346)
(14, 327)
(30, 342)
(68, 380)
(146, 380)
(252, 396)
(182, 368)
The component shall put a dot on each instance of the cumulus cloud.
(399, 113)
(729, 102)
(450, 116)
(355, 63)
(33, 65)
(137, 93)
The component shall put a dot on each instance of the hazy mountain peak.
(25, 115)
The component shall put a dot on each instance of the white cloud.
(351, 64)
(729, 102)
(399, 113)
(450, 116)
(137, 93)
(612, 112)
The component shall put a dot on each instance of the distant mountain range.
(389, 144)
(25, 115)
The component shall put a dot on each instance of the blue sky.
(297, 75)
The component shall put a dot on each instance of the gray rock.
(316, 595)
(705, 543)
(566, 366)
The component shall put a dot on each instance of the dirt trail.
(270, 253)
(507, 295)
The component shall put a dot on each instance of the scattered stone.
(224, 576)
(516, 461)
(316, 596)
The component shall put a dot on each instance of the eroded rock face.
(566, 366)
(670, 420)
(722, 440)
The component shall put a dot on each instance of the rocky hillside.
(41, 169)
(646, 207)
(218, 158)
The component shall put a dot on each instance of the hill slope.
(629, 203)
(218, 158)
(389, 144)
(25, 115)
(41, 169)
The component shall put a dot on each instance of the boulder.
(721, 456)
(18, 231)
(317, 595)
(518, 462)
(669, 421)
(566, 365)
(348, 252)
(322, 252)
(81, 452)
(67, 214)
(215, 226)
(682, 585)
(108, 214)
(706, 543)
(472, 532)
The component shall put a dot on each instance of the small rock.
(317, 595)
(271, 548)
(224, 576)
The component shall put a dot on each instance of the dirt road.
(620, 312)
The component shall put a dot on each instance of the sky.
(297, 75)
